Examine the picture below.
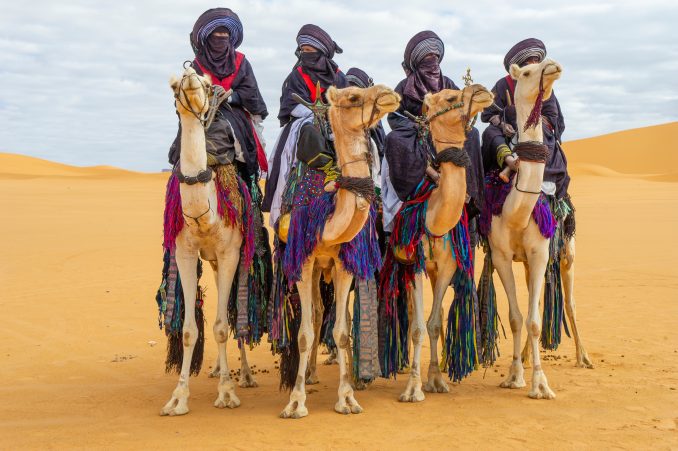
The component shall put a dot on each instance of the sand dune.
(81, 260)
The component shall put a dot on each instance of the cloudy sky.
(85, 82)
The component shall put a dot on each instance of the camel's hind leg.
(526, 355)
(187, 261)
(227, 263)
(503, 265)
(247, 380)
(318, 309)
(296, 407)
(567, 274)
(342, 284)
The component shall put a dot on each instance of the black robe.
(248, 100)
(553, 126)
(407, 158)
(293, 84)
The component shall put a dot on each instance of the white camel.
(515, 236)
(205, 234)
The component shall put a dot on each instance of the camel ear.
(174, 83)
(514, 71)
(332, 95)
(426, 104)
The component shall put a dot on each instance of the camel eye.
(452, 99)
(353, 98)
(526, 73)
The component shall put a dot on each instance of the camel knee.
(516, 320)
(416, 335)
(190, 335)
(534, 326)
(220, 330)
(340, 338)
(433, 328)
(304, 339)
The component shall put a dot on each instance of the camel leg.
(410, 319)
(246, 378)
(215, 367)
(227, 264)
(440, 282)
(527, 350)
(296, 408)
(538, 260)
(413, 391)
(567, 274)
(503, 265)
(187, 260)
(311, 374)
(342, 284)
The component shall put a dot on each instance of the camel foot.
(404, 370)
(227, 396)
(413, 392)
(312, 378)
(294, 410)
(214, 373)
(583, 360)
(516, 377)
(360, 385)
(178, 404)
(347, 403)
(435, 382)
(540, 387)
(247, 380)
(331, 359)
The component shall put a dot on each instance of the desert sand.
(81, 261)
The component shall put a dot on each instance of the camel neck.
(193, 157)
(350, 211)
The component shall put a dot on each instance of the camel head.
(450, 111)
(191, 92)
(356, 109)
(530, 77)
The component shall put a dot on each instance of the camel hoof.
(294, 413)
(312, 379)
(214, 373)
(247, 381)
(584, 362)
(433, 386)
(331, 360)
(513, 382)
(231, 401)
(540, 387)
(412, 396)
(360, 385)
(342, 409)
(178, 403)
(348, 406)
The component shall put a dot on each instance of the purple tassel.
(362, 256)
(174, 218)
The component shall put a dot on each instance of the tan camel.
(204, 234)
(352, 111)
(515, 236)
(450, 112)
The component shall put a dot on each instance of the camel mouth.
(552, 70)
(482, 95)
(389, 102)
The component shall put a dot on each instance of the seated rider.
(303, 137)
(498, 136)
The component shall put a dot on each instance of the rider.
(299, 138)
(502, 122)
(407, 160)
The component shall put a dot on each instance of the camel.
(515, 236)
(449, 113)
(205, 234)
(352, 111)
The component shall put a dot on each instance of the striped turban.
(358, 77)
(524, 50)
(422, 44)
(212, 19)
(317, 38)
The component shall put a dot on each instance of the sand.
(81, 260)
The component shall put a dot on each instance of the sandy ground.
(81, 260)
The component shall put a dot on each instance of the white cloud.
(86, 82)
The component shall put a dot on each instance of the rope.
(360, 186)
(532, 151)
(455, 155)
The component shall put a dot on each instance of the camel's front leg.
(187, 261)
(567, 274)
(413, 391)
(503, 264)
(311, 374)
(439, 282)
(296, 407)
(227, 264)
(537, 260)
(342, 284)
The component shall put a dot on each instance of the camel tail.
(289, 359)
